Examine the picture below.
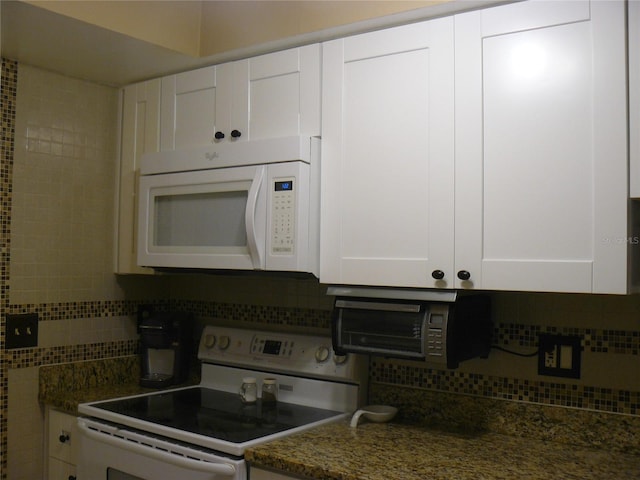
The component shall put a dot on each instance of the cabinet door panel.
(140, 134)
(529, 16)
(540, 120)
(59, 470)
(276, 94)
(188, 109)
(284, 93)
(537, 137)
(387, 157)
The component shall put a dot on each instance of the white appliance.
(250, 205)
(201, 432)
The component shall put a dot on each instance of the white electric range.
(201, 432)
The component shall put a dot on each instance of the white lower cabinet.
(59, 470)
(61, 445)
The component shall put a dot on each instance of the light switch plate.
(22, 331)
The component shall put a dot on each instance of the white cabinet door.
(284, 93)
(273, 95)
(62, 449)
(188, 109)
(541, 160)
(140, 134)
(387, 157)
(59, 470)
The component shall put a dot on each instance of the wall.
(58, 180)
(227, 26)
(169, 23)
(207, 28)
(88, 313)
(609, 326)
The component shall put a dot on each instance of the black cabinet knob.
(464, 275)
(64, 437)
(437, 274)
(219, 135)
(236, 133)
(72, 477)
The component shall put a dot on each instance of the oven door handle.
(182, 462)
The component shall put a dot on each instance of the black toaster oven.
(442, 328)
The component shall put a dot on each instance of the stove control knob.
(224, 342)
(340, 359)
(322, 354)
(209, 340)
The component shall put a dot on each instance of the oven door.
(107, 452)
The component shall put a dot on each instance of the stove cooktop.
(214, 414)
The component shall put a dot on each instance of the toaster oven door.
(391, 328)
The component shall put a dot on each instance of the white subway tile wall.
(63, 190)
(25, 425)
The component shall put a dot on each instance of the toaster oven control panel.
(436, 335)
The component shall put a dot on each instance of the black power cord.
(511, 352)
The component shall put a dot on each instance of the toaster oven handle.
(161, 455)
(250, 218)
(389, 307)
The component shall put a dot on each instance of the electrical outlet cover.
(559, 355)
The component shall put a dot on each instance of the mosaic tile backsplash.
(547, 390)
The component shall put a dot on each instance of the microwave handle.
(250, 218)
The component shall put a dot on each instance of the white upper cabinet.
(521, 183)
(140, 134)
(189, 107)
(273, 95)
(387, 157)
(541, 147)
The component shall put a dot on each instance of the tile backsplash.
(63, 190)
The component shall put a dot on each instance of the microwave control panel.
(283, 217)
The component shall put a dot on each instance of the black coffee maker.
(166, 342)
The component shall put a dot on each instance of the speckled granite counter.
(394, 451)
(65, 386)
(504, 440)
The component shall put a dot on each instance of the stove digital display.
(272, 347)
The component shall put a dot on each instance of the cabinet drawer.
(59, 470)
(62, 438)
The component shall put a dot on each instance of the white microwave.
(250, 205)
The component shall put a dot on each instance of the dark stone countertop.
(375, 451)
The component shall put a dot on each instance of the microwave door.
(204, 219)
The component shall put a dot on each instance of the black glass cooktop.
(216, 414)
